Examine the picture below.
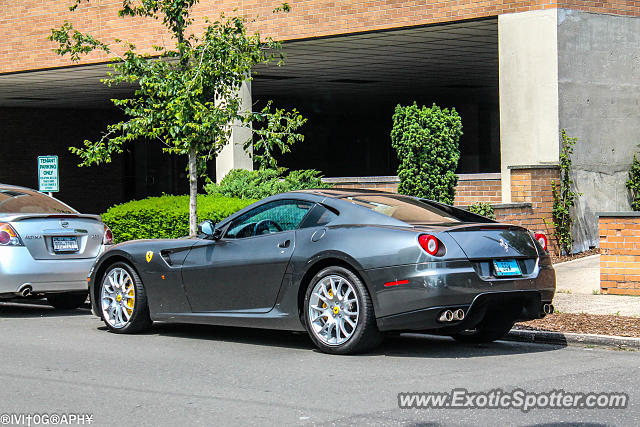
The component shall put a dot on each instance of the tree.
(427, 143)
(187, 97)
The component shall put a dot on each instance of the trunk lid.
(68, 236)
(494, 241)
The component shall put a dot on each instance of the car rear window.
(24, 201)
(407, 209)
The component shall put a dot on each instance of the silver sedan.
(46, 247)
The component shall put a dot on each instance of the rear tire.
(67, 301)
(122, 300)
(485, 332)
(339, 314)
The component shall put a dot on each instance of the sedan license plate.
(65, 244)
(507, 267)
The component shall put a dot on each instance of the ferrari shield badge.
(149, 256)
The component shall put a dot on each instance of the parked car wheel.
(67, 301)
(485, 332)
(123, 300)
(339, 313)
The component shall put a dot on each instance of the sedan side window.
(273, 217)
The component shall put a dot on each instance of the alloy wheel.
(118, 297)
(333, 310)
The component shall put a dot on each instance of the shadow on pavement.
(404, 345)
(38, 308)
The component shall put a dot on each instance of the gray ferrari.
(46, 247)
(346, 266)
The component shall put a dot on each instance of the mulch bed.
(562, 258)
(601, 324)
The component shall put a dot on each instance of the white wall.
(233, 155)
(528, 62)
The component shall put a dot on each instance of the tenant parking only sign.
(48, 174)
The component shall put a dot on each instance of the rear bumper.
(424, 290)
(18, 269)
(526, 305)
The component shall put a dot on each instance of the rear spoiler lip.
(487, 226)
(469, 226)
(22, 217)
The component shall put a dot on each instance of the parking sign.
(48, 174)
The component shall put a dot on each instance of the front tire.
(67, 301)
(339, 314)
(123, 300)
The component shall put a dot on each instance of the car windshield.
(407, 209)
(25, 201)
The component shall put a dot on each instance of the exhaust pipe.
(548, 308)
(446, 316)
(24, 291)
(458, 314)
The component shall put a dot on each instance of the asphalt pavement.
(66, 362)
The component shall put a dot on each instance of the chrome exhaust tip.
(548, 308)
(446, 316)
(24, 291)
(458, 314)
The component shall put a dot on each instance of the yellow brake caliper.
(324, 304)
(131, 300)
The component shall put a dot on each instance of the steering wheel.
(262, 226)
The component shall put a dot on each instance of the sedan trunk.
(69, 236)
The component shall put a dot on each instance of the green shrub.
(262, 183)
(427, 143)
(633, 184)
(484, 209)
(165, 217)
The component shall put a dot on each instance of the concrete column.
(233, 155)
(528, 57)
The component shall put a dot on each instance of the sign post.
(48, 174)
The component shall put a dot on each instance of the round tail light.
(429, 243)
(542, 239)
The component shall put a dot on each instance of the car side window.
(273, 217)
(318, 216)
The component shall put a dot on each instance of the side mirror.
(207, 227)
(217, 234)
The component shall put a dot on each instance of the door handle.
(284, 244)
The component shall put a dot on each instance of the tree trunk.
(193, 193)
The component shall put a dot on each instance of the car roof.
(15, 187)
(340, 193)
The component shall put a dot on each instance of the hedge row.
(165, 217)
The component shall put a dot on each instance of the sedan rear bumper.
(18, 270)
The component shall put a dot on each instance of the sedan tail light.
(108, 236)
(431, 245)
(542, 239)
(9, 236)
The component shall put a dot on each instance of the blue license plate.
(507, 267)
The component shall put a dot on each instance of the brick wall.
(620, 253)
(471, 188)
(482, 187)
(25, 24)
(532, 184)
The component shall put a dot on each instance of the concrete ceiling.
(460, 57)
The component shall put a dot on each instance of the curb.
(566, 338)
(584, 258)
